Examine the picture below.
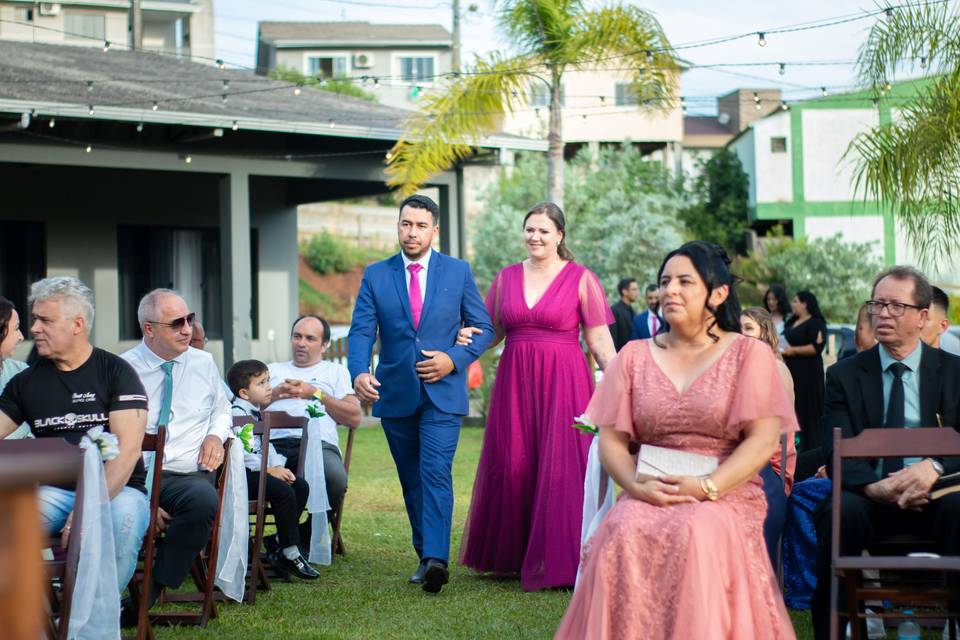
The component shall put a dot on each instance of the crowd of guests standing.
(678, 556)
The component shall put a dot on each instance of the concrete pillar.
(236, 285)
(451, 228)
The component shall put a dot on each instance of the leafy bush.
(839, 273)
(316, 301)
(720, 212)
(622, 215)
(327, 253)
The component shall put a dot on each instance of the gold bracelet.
(318, 394)
(709, 488)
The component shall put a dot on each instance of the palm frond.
(454, 116)
(917, 35)
(538, 26)
(626, 36)
(913, 165)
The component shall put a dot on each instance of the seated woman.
(683, 556)
(777, 481)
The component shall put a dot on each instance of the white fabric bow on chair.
(321, 551)
(234, 528)
(597, 498)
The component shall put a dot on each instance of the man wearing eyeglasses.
(184, 392)
(899, 383)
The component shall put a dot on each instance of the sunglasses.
(177, 323)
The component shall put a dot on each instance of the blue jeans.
(131, 515)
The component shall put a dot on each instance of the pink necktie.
(416, 297)
(653, 317)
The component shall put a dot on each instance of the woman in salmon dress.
(528, 496)
(681, 556)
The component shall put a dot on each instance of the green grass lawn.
(365, 595)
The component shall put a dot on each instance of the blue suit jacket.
(383, 305)
(641, 328)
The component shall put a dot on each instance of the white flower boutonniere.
(106, 442)
(583, 423)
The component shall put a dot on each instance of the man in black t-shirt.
(73, 388)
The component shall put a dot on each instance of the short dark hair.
(422, 202)
(624, 284)
(652, 287)
(323, 321)
(6, 312)
(242, 372)
(940, 299)
(922, 290)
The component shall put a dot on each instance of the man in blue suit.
(418, 300)
(650, 322)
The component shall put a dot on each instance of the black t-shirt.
(66, 404)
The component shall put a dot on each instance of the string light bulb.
(155, 106)
(887, 87)
(296, 90)
(224, 98)
(332, 123)
(584, 117)
(226, 86)
(89, 148)
(52, 123)
(603, 101)
(757, 105)
(683, 105)
(783, 68)
(236, 125)
(649, 56)
(220, 64)
(139, 127)
(923, 62)
(823, 91)
(761, 39)
(536, 112)
(188, 159)
(89, 86)
(90, 110)
(106, 46)
(784, 105)
(376, 83)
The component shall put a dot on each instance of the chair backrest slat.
(920, 442)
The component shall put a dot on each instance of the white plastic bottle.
(908, 630)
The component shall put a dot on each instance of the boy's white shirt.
(251, 460)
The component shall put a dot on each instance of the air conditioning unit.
(363, 60)
(50, 8)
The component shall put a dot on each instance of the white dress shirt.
(199, 408)
(424, 262)
(330, 377)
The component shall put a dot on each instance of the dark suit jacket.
(854, 401)
(622, 325)
(641, 327)
(383, 307)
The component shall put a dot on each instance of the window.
(416, 69)
(625, 95)
(332, 67)
(22, 262)
(778, 145)
(539, 95)
(23, 14)
(84, 26)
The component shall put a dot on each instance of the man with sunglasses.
(899, 383)
(185, 393)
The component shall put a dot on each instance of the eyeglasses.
(896, 309)
(177, 323)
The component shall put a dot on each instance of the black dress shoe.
(435, 575)
(128, 613)
(297, 567)
(417, 577)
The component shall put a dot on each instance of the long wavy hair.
(780, 294)
(768, 332)
(713, 266)
(6, 312)
(813, 307)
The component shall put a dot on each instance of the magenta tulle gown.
(528, 496)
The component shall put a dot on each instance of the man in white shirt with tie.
(185, 392)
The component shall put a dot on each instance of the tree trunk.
(555, 142)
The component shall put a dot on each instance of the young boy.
(249, 381)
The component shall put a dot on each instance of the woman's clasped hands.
(666, 491)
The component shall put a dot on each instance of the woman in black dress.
(806, 332)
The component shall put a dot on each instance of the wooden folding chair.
(152, 442)
(882, 443)
(283, 420)
(257, 578)
(25, 463)
(204, 568)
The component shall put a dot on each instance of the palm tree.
(913, 162)
(551, 37)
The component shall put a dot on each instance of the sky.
(684, 22)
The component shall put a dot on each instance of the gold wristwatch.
(708, 487)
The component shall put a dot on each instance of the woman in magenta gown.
(682, 557)
(528, 495)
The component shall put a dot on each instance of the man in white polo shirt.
(307, 380)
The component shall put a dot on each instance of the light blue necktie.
(164, 416)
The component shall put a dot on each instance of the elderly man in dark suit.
(899, 383)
